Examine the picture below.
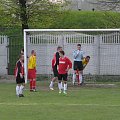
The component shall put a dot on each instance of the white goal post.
(106, 39)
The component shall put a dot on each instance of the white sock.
(17, 90)
(59, 86)
(62, 85)
(65, 87)
(51, 84)
(74, 77)
(80, 78)
(21, 89)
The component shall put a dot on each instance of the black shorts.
(63, 77)
(20, 80)
(78, 65)
(55, 71)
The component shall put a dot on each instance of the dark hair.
(79, 45)
(32, 51)
(62, 52)
(88, 57)
(59, 47)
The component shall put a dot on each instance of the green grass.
(78, 104)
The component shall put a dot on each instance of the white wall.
(3, 55)
(105, 58)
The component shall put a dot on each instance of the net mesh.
(102, 47)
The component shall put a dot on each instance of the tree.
(22, 11)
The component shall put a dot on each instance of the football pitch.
(83, 103)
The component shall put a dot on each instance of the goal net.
(102, 45)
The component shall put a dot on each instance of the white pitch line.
(57, 104)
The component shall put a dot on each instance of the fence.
(103, 49)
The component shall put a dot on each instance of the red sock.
(30, 84)
(34, 84)
(78, 79)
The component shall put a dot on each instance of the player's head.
(59, 48)
(33, 52)
(21, 57)
(61, 53)
(22, 51)
(78, 46)
(87, 58)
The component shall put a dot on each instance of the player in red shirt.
(64, 65)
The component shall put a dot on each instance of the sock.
(80, 78)
(59, 86)
(21, 89)
(74, 77)
(30, 84)
(65, 87)
(62, 85)
(34, 84)
(17, 89)
(51, 84)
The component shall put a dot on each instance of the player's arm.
(34, 62)
(53, 62)
(84, 66)
(57, 58)
(69, 63)
(83, 55)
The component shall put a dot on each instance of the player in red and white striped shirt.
(64, 65)
(55, 63)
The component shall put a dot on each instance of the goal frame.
(56, 30)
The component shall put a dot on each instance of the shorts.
(31, 73)
(20, 80)
(63, 77)
(55, 71)
(78, 65)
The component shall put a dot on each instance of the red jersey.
(64, 63)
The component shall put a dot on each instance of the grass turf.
(78, 104)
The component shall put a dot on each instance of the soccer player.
(55, 63)
(64, 65)
(78, 56)
(85, 61)
(19, 74)
(32, 70)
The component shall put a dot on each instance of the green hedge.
(87, 19)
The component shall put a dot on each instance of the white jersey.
(78, 55)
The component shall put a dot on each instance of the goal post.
(96, 43)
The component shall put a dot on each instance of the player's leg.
(30, 79)
(18, 85)
(34, 85)
(17, 89)
(55, 72)
(74, 72)
(34, 80)
(81, 77)
(31, 85)
(74, 77)
(80, 67)
(65, 83)
(59, 83)
(22, 85)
